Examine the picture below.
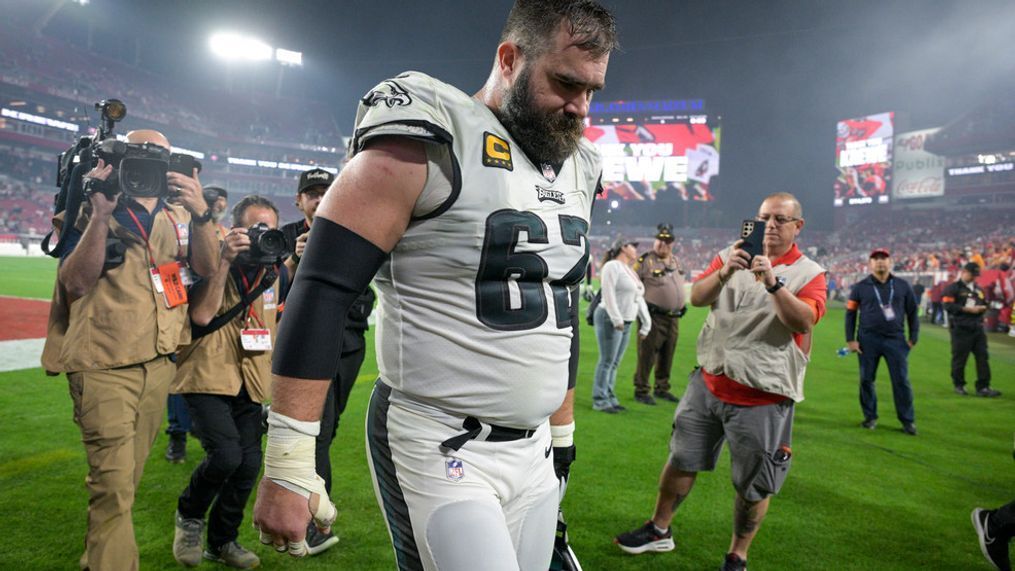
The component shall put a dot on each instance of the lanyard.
(891, 292)
(251, 314)
(147, 242)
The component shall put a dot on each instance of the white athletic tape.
(299, 548)
(289, 462)
(562, 435)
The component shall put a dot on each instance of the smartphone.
(752, 232)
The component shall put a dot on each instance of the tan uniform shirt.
(663, 279)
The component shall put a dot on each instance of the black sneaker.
(909, 428)
(176, 452)
(994, 549)
(987, 392)
(666, 395)
(870, 423)
(733, 562)
(645, 538)
(619, 407)
(960, 390)
(318, 542)
(645, 399)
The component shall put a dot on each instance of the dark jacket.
(956, 296)
(864, 297)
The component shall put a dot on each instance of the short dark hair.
(240, 208)
(532, 24)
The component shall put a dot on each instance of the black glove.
(562, 459)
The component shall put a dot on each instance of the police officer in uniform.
(965, 304)
(663, 277)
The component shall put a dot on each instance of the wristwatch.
(202, 219)
(779, 282)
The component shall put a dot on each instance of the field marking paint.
(20, 354)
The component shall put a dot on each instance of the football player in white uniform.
(473, 212)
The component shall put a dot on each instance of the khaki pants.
(119, 412)
(656, 350)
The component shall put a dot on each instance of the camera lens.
(272, 243)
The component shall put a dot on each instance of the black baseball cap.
(664, 232)
(218, 191)
(315, 177)
(973, 268)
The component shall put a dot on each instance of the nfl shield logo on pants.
(455, 469)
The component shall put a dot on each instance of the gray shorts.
(759, 439)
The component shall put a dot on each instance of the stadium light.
(234, 47)
(288, 57)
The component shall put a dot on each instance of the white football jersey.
(475, 300)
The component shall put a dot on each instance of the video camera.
(267, 245)
(139, 169)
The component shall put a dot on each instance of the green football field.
(855, 499)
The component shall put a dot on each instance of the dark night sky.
(780, 72)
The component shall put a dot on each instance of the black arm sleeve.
(336, 268)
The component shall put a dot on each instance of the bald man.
(119, 312)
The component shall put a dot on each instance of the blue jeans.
(179, 416)
(612, 344)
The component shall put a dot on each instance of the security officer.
(313, 184)
(119, 313)
(663, 277)
(965, 304)
(883, 299)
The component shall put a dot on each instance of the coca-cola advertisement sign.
(918, 174)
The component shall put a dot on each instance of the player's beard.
(545, 136)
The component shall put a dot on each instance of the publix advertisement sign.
(918, 174)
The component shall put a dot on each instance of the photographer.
(753, 354)
(119, 312)
(224, 376)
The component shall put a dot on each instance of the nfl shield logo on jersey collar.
(455, 469)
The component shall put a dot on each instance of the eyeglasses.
(779, 219)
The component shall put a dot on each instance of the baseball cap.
(315, 177)
(664, 232)
(880, 252)
(973, 268)
(619, 243)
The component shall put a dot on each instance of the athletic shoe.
(318, 542)
(234, 555)
(619, 407)
(987, 392)
(870, 423)
(645, 538)
(995, 549)
(960, 390)
(909, 428)
(666, 395)
(187, 540)
(176, 452)
(733, 562)
(608, 409)
(645, 399)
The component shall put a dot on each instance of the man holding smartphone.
(753, 354)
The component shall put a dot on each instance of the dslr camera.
(267, 246)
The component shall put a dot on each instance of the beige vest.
(218, 364)
(122, 320)
(744, 339)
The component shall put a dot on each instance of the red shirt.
(813, 294)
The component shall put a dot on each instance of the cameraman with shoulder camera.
(119, 313)
(224, 376)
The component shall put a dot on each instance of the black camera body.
(267, 246)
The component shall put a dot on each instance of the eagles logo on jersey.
(478, 297)
(389, 92)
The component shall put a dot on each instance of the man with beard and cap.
(474, 214)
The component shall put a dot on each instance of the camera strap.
(198, 331)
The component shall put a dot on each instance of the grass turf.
(855, 499)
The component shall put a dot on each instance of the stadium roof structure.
(987, 128)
